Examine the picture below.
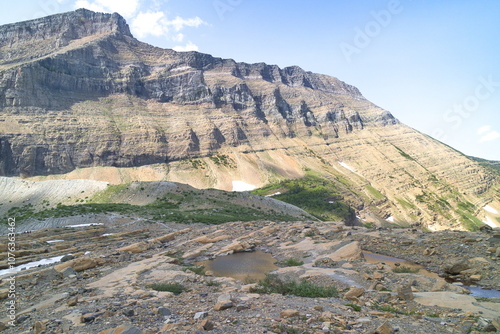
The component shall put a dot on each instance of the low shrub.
(175, 288)
(273, 284)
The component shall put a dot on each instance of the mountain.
(80, 97)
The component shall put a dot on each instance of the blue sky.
(434, 65)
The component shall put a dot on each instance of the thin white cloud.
(178, 23)
(156, 23)
(178, 38)
(150, 23)
(188, 47)
(147, 19)
(483, 129)
(491, 135)
(126, 8)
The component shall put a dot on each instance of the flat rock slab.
(453, 300)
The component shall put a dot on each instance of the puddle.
(247, 267)
(391, 261)
(477, 291)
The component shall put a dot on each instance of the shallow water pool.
(247, 267)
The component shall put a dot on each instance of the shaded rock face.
(50, 65)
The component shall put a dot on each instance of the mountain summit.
(80, 97)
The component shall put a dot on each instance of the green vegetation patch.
(374, 192)
(291, 262)
(198, 270)
(175, 288)
(314, 194)
(405, 270)
(405, 204)
(404, 154)
(223, 160)
(110, 192)
(197, 164)
(435, 204)
(273, 284)
(466, 212)
(355, 307)
(469, 221)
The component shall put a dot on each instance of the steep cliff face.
(78, 91)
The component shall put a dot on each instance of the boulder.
(349, 252)
(289, 313)
(137, 247)
(200, 315)
(220, 306)
(385, 328)
(455, 266)
(354, 293)
(72, 301)
(163, 311)
(405, 292)
(39, 327)
(207, 325)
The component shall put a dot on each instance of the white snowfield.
(490, 222)
(243, 186)
(33, 264)
(343, 164)
(84, 225)
(490, 209)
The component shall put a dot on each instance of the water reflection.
(394, 262)
(247, 267)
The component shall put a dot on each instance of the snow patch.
(52, 241)
(343, 164)
(243, 186)
(33, 264)
(84, 225)
(181, 68)
(275, 194)
(390, 219)
(490, 222)
(106, 234)
(490, 210)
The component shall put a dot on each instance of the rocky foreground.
(107, 283)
